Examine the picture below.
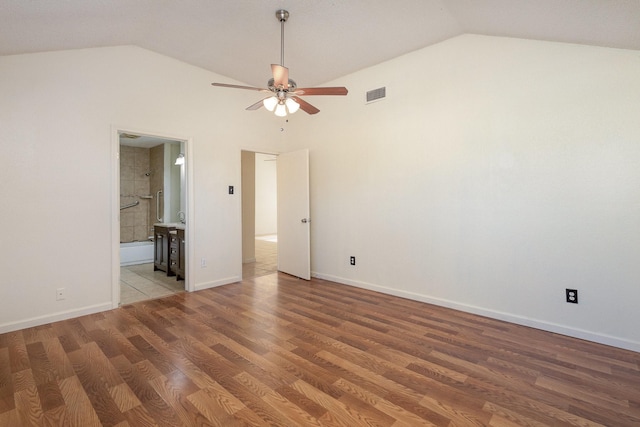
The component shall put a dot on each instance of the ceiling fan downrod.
(282, 16)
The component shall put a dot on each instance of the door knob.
(305, 220)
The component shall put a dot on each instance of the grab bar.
(130, 205)
(158, 195)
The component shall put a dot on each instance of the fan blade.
(240, 87)
(256, 105)
(305, 106)
(280, 76)
(321, 91)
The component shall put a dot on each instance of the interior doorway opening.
(259, 214)
(152, 190)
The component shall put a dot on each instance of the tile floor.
(140, 282)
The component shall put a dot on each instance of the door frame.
(115, 205)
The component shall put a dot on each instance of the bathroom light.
(180, 160)
(270, 103)
(281, 110)
(292, 105)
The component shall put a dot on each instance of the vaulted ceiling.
(324, 39)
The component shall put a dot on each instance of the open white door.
(294, 252)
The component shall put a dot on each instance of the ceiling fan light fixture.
(270, 103)
(285, 96)
(281, 110)
(292, 105)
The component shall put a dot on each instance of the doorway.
(259, 214)
(152, 188)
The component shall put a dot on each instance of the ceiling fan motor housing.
(273, 88)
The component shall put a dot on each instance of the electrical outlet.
(203, 262)
(60, 294)
(352, 260)
(572, 296)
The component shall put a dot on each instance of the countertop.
(176, 225)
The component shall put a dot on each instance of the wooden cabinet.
(170, 250)
(177, 253)
(162, 243)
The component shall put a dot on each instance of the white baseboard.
(69, 314)
(216, 283)
(507, 317)
(55, 317)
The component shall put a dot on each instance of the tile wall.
(134, 185)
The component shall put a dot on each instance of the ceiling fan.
(284, 94)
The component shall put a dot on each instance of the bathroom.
(151, 191)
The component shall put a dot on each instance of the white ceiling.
(324, 39)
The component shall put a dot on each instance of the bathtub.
(136, 253)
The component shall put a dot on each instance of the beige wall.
(248, 206)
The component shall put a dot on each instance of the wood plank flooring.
(278, 351)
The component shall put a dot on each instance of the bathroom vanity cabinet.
(162, 246)
(177, 252)
(170, 250)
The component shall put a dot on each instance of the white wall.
(497, 173)
(57, 113)
(172, 192)
(266, 195)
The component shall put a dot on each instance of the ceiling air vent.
(129, 136)
(376, 94)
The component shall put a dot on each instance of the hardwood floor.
(278, 351)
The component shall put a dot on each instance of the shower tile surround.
(136, 223)
(156, 182)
